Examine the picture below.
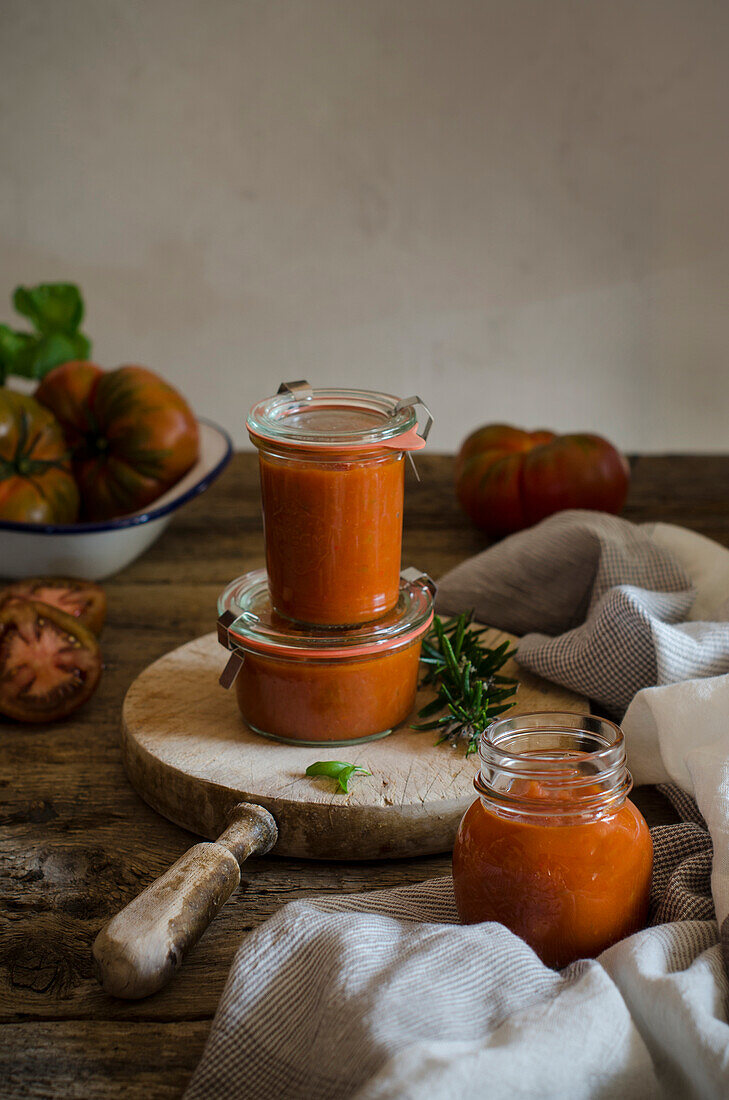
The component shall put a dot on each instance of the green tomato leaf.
(337, 769)
(51, 307)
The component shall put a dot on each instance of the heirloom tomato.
(132, 435)
(36, 483)
(83, 600)
(49, 663)
(508, 479)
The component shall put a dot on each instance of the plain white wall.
(516, 208)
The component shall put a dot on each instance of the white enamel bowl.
(97, 550)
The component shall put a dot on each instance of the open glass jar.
(316, 687)
(332, 483)
(552, 847)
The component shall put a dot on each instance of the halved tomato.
(84, 600)
(49, 663)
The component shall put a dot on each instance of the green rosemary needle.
(469, 686)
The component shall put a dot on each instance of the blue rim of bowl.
(143, 517)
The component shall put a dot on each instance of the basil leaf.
(55, 310)
(344, 777)
(46, 353)
(332, 768)
(52, 307)
(15, 351)
(337, 769)
(81, 345)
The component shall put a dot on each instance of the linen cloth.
(385, 995)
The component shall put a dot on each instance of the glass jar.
(316, 687)
(332, 485)
(552, 847)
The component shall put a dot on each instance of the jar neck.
(553, 767)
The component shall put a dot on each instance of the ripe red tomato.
(508, 479)
(36, 484)
(131, 434)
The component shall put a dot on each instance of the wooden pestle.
(140, 948)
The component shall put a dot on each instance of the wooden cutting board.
(189, 754)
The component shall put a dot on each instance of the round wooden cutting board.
(189, 754)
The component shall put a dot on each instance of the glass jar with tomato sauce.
(553, 848)
(317, 686)
(332, 485)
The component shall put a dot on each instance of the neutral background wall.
(517, 208)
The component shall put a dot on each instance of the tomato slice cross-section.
(84, 600)
(49, 662)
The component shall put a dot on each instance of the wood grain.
(77, 843)
(189, 754)
(82, 1059)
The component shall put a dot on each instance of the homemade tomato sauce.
(315, 684)
(300, 699)
(568, 884)
(333, 533)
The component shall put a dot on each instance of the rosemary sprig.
(469, 685)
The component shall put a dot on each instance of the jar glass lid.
(337, 418)
(249, 622)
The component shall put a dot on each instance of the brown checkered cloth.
(385, 995)
(602, 607)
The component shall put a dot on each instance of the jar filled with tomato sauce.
(553, 848)
(317, 686)
(332, 485)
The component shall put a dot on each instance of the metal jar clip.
(235, 661)
(421, 431)
(416, 576)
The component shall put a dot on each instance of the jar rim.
(252, 624)
(565, 756)
(495, 734)
(300, 416)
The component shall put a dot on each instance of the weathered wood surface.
(189, 754)
(77, 843)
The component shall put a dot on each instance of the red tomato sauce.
(333, 533)
(328, 700)
(569, 887)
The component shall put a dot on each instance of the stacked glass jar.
(325, 643)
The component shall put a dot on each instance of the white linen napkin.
(384, 995)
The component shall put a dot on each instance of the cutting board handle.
(140, 948)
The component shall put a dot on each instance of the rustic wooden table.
(77, 843)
